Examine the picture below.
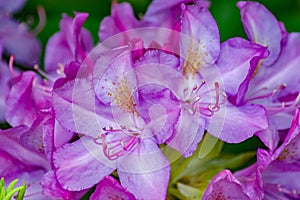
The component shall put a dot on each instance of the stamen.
(205, 108)
(42, 20)
(284, 106)
(276, 90)
(61, 70)
(216, 106)
(41, 72)
(45, 89)
(11, 66)
(115, 148)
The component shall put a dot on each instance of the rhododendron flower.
(17, 40)
(201, 101)
(259, 82)
(123, 139)
(72, 43)
(271, 177)
(19, 162)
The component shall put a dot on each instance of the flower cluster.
(146, 112)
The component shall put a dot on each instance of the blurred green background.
(225, 12)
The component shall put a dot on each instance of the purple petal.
(77, 168)
(34, 139)
(281, 72)
(18, 41)
(199, 25)
(262, 28)
(9, 143)
(163, 14)
(188, 133)
(57, 52)
(12, 168)
(77, 114)
(5, 75)
(23, 102)
(288, 151)
(145, 172)
(242, 122)
(225, 186)
(235, 61)
(54, 136)
(52, 189)
(11, 6)
(111, 78)
(121, 19)
(270, 137)
(108, 188)
(71, 43)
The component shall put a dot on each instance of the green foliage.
(10, 191)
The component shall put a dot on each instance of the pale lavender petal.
(11, 6)
(288, 151)
(10, 143)
(12, 168)
(163, 13)
(269, 136)
(225, 186)
(145, 172)
(57, 52)
(110, 79)
(284, 71)
(53, 190)
(18, 41)
(77, 114)
(236, 58)
(262, 28)
(5, 75)
(33, 139)
(188, 133)
(20, 108)
(156, 102)
(25, 99)
(122, 18)
(33, 186)
(71, 43)
(203, 42)
(242, 122)
(53, 137)
(108, 188)
(77, 168)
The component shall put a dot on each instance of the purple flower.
(271, 177)
(72, 43)
(16, 40)
(159, 14)
(119, 131)
(257, 80)
(109, 188)
(200, 99)
(27, 98)
(19, 162)
(9, 7)
(262, 28)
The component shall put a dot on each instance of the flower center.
(193, 55)
(122, 96)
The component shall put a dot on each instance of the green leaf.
(11, 185)
(188, 191)
(21, 193)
